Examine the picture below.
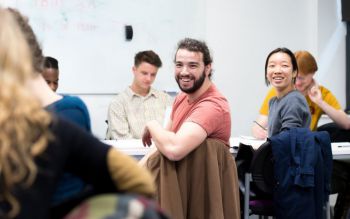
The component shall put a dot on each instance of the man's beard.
(196, 85)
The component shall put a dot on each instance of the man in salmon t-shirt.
(199, 112)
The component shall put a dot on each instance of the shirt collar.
(132, 94)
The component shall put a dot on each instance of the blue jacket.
(303, 166)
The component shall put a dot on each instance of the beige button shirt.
(129, 112)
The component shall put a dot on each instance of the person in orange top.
(319, 98)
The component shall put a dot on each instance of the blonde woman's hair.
(23, 123)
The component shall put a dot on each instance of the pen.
(260, 125)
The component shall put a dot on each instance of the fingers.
(315, 87)
(314, 91)
(312, 86)
(149, 142)
(146, 139)
(262, 134)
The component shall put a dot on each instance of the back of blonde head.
(23, 123)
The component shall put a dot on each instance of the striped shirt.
(129, 112)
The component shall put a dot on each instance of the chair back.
(256, 179)
(243, 160)
(201, 185)
(262, 168)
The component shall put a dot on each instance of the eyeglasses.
(299, 78)
(303, 77)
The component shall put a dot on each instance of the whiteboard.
(88, 38)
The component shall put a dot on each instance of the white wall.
(88, 38)
(331, 48)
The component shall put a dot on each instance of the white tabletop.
(134, 147)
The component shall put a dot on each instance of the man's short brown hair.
(147, 56)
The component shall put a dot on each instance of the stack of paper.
(249, 140)
(129, 146)
(341, 148)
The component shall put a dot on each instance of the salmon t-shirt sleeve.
(213, 118)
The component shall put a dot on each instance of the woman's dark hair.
(282, 50)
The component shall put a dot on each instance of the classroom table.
(134, 147)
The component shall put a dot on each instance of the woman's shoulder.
(69, 102)
(294, 94)
(72, 100)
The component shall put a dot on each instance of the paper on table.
(132, 147)
(247, 137)
(250, 140)
(341, 148)
(127, 144)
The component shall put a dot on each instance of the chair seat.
(262, 207)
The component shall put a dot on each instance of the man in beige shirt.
(130, 110)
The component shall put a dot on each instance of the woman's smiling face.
(280, 72)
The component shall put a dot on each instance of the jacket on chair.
(202, 185)
(303, 166)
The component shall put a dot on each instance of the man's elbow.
(174, 155)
